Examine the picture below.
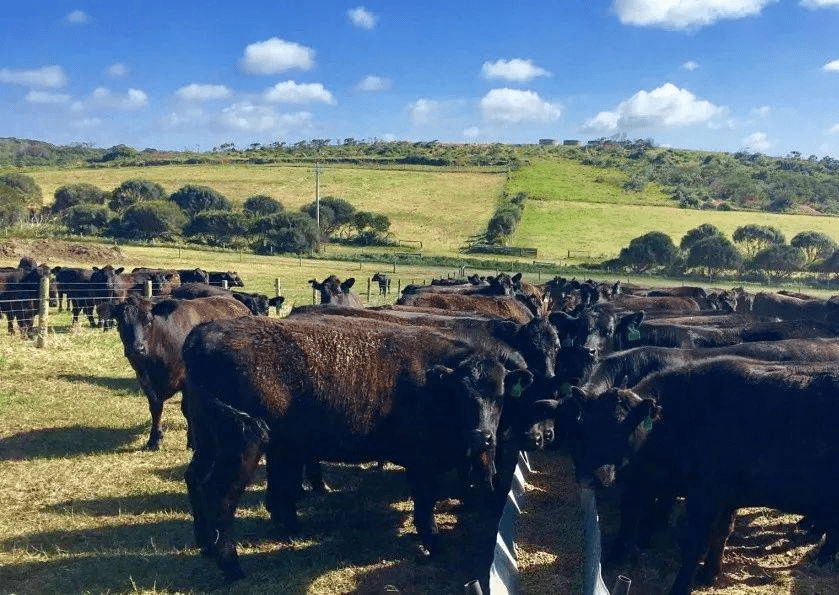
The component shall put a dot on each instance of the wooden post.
(43, 311)
(368, 289)
(224, 284)
(313, 296)
(399, 287)
(394, 265)
(277, 292)
(147, 289)
(300, 259)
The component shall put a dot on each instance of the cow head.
(276, 302)
(27, 263)
(603, 432)
(598, 327)
(480, 387)
(537, 342)
(333, 291)
(257, 303)
(134, 317)
(574, 366)
(500, 285)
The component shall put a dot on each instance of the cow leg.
(197, 477)
(700, 515)
(423, 490)
(720, 531)
(75, 310)
(88, 310)
(634, 501)
(156, 432)
(655, 519)
(314, 475)
(831, 542)
(284, 478)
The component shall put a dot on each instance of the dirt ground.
(767, 553)
(54, 251)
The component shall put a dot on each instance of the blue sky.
(722, 75)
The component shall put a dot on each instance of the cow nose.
(549, 436)
(140, 348)
(538, 440)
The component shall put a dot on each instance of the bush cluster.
(506, 218)
(757, 253)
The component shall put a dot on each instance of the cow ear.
(645, 413)
(516, 382)
(95, 268)
(578, 393)
(616, 288)
(164, 309)
(516, 277)
(438, 372)
(276, 302)
(315, 284)
(345, 286)
(119, 271)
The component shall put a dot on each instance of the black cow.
(335, 293)
(725, 433)
(257, 303)
(76, 284)
(19, 295)
(152, 335)
(233, 279)
(194, 276)
(383, 281)
(599, 327)
(421, 400)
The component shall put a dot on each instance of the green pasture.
(440, 209)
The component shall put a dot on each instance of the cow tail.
(239, 429)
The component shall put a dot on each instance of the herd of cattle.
(723, 398)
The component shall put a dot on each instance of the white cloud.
(690, 66)
(666, 106)
(833, 129)
(831, 66)
(683, 14)
(117, 70)
(361, 17)
(276, 55)
(133, 98)
(422, 110)
(819, 3)
(514, 105)
(46, 97)
(86, 123)
(757, 141)
(372, 83)
(198, 92)
(472, 132)
(249, 117)
(46, 76)
(762, 111)
(77, 17)
(292, 92)
(515, 70)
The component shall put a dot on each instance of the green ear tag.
(515, 390)
(565, 389)
(648, 423)
(633, 334)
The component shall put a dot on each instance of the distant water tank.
(570, 143)
(547, 142)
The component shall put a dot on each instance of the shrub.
(781, 259)
(714, 254)
(194, 199)
(13, 207)
(335, 213)
(224, 224)
(653, 249)
(87, 219)
(26, 185)
(119, 152)
(75, 194)
(816, 245)
(285, 232)
(755, 238)
(133, 191)
(706, 230)
(261, 205)
(151, 219)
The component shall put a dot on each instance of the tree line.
(142, 210)
(758, 253)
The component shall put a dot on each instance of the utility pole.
(318, 169)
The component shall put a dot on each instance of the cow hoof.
(423, 554)
(152, 446)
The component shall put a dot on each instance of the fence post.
(313, 295)
(277, 292)
(225, 284)
(394, 265)
(300, 259)
(399, 287)
(147, 289)
(368, 289)
(43, 311)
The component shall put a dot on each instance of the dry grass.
(440, 209)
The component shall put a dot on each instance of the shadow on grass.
(352, 534)
(68, 441)
(129, 385)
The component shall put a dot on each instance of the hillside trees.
(714, 254)
(651, 250)
(754, 238)
(74, 194)
(133, 191)
(815, 244)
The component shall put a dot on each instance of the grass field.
(440, 209)
(578, 214)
